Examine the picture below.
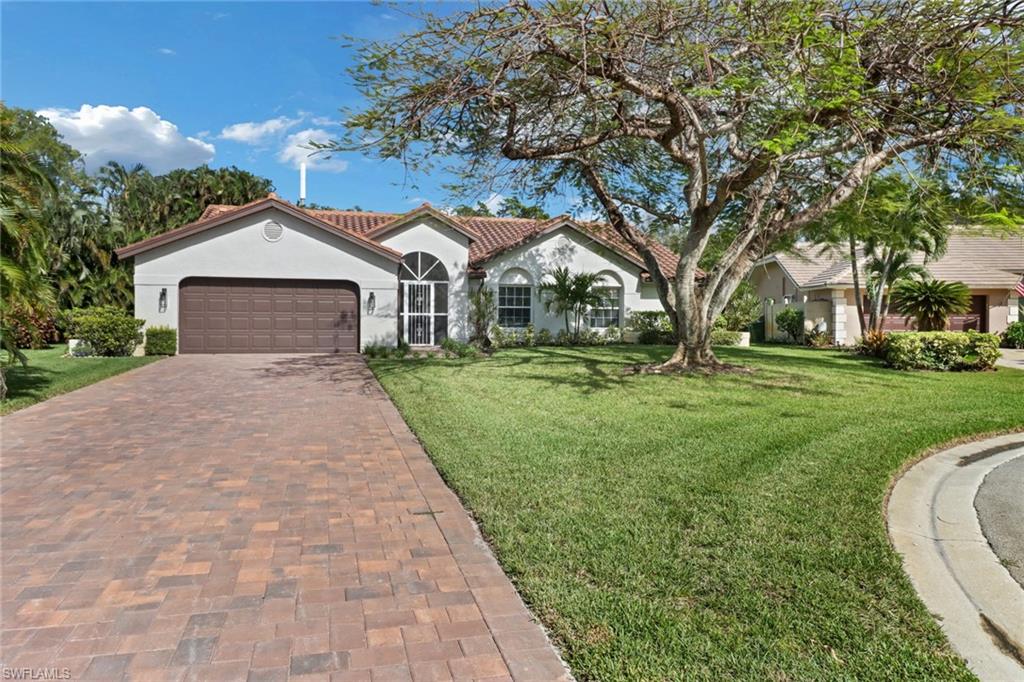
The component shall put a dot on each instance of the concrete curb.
(934, 526)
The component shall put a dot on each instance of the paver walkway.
(245, 517)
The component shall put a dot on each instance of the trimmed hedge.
(652, 327)
(1013, 337)
(724, 337)
(944, 351)
(107, 329)
(161, 341)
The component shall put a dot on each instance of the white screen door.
(419, 314)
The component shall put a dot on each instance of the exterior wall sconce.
(162, 304)
(371, 303)
(785, 300)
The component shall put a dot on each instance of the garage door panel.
(222, 315)
(261, 343)
(239, 305)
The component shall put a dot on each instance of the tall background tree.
(26, 295)
(512, 207)
(68, 223)
(677, 114)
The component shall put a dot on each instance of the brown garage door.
(221, 315)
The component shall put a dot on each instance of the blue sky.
(177, 84)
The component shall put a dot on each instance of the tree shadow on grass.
(28, 382)
(799, 372)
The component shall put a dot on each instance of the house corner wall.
(839, 336)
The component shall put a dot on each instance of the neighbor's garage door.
(221, 315)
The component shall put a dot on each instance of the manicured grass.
(672, 528)
(49, 373)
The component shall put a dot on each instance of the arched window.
(423, 299)
(607, 313)
(515, 299)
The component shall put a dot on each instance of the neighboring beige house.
(822, 285)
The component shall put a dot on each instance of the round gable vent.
(272, 231)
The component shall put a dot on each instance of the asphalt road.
(1000, 505)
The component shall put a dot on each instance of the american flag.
(1020, 288)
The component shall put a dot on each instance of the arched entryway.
(423, 306)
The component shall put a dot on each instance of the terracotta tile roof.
(493, 235)
(977, 260)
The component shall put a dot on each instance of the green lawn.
(49, 373)
(670, 528)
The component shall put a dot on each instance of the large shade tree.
(672, 115)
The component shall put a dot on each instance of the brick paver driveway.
(245, 517)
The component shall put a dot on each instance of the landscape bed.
(49, 373)
(671, 527)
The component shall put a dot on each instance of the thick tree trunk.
(701, 304)
(693, 351)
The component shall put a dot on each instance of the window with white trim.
(607, 313)
(514, 305)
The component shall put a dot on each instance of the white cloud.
(254, 132)
(494, 202)
(166, 50)
(296, 150)
(325, 121)
(110, 133)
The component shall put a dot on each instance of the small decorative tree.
(791, 321)
(572, 295)
(930, 302)
(482, 313)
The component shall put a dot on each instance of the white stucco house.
(271, 276)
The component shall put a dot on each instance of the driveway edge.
(934, 526)
(496, 596)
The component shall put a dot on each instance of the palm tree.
(571, 294)
(930, 301)
(881, 228)
(27, 294)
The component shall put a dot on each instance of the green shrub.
(457, 349)
(529, 336)
(107, 329)
(874, 343)
(563, 338)
(613, 335)
(724, 337)
(376, 350)
(818, 339)
(651, 327)
(499, 337)
(791, 321)
(743, 308)
(161, 341)
(1013, 337)
(544, 337)
(944, 351)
